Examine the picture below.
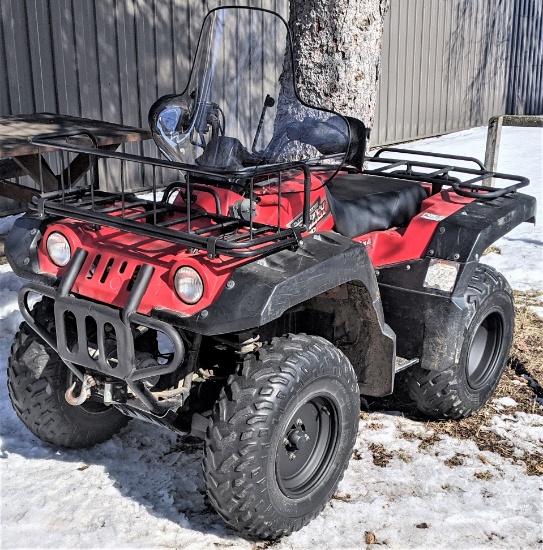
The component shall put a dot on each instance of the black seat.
(362, 203)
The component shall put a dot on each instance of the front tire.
(281, 436)
(37, 382)
(462, 389)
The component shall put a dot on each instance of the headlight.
(188, 285)
(58, 249)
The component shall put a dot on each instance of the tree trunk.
(337, 49)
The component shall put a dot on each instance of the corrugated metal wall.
(108, 60)
(447, 64)
(525, 86)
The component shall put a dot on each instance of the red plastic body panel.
(115, 256)
(393, 246)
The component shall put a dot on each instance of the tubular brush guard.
(76, 353)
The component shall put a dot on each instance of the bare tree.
(337, 46)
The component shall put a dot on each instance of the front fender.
(21, 249)
(263, 290)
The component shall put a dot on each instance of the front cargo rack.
(145, 210)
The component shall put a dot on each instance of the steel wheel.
(484, 350)
(309, 447)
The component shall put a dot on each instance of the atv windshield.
(240, 108)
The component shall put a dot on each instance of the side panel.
(429, 323)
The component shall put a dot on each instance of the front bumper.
(73, 317)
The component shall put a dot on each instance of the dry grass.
(381, 457)
(522, 381)
(456, 460)
(485, 475)
(492, 249)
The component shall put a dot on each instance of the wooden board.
(15, 131)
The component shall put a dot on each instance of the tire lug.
(291, 456)
(299, 422)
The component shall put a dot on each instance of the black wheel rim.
(484, 350)
(308, 446)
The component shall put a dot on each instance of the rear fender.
(465, 235)
(430, 323)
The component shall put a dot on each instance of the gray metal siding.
(106, 60)
(525, 84)
(447, 64)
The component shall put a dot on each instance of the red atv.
(251, 287)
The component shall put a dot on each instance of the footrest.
(402, 364)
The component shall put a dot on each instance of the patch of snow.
(505, 402)
(141, 491)
(6, 223)
(538, 310)
(524, 431)
(150, 196)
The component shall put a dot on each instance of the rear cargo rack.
(151, 215)
(443, 174)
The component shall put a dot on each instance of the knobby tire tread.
(38, 399)
(235, 452)
(436, 393)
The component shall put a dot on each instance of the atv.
(249, 287)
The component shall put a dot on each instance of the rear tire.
(281, 436)
(462, 389)
(37, 381)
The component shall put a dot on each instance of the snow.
(144, 488)
(524, 431)
(505, 402)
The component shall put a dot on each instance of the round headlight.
(188, 285)
(58, 249)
